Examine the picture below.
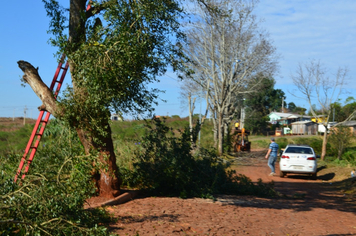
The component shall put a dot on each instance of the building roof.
(303, 122)
(281, 114)
(285, 115)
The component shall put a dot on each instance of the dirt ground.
(8, 124)
(306, 207)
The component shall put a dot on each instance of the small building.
(304, 128)
(116, 117)
(284, 118)
(321, 127)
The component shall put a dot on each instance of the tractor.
(240, 141)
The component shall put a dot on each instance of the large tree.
(227, 49)
(260, 103)
(344, 112)
(316, 85)
(114, 49)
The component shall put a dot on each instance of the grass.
(127, 136)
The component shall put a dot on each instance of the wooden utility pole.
(24, 115)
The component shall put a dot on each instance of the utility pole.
(242, 116)
(282, 104)
(24, 115)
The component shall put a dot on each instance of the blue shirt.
(274, 149)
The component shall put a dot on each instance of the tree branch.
(32, 77)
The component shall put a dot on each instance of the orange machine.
(241, 142)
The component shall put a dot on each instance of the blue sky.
(324, 30)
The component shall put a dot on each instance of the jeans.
(271, 161)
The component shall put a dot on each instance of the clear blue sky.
(324, 30)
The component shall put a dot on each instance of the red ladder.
(41, 123)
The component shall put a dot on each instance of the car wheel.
(282, 174)
(313, 176)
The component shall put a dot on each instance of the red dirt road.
(309, 208)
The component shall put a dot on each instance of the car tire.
(313, 176)
(282, 174)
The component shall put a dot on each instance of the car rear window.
(299, 150)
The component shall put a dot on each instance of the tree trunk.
(325, 141)
(191, 112)
(220, 134)
(108, 181)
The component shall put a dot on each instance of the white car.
(300, 159)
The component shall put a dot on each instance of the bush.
(50, 200)
(282, 142)
(341, 138)
(350, 156)
(166, 166)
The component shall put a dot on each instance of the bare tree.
(315, 85)
(227, 49)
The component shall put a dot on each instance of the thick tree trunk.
(108, 181)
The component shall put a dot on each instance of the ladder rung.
(33, 147)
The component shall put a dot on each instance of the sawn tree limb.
(32, 77)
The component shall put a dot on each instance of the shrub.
(166, 166)
(341, 137)
(50, 200)
(350, 156)
(282, 142)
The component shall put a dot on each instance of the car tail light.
(285, 157)
(311, 158)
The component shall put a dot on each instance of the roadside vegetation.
(154, 156)
(49, 201)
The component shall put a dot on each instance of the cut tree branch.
(32, 77)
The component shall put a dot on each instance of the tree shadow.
(302, 196)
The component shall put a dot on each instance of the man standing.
(272, 154)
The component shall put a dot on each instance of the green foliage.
(282, 142)
(341, 138)
(350, 156)
(342, 111)
(164, 165)
(266, 98)
(50, 200)
(115, 51)
(126, 130)
(260, 103)
(295, 109)
(256, 122)
(315, 142)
